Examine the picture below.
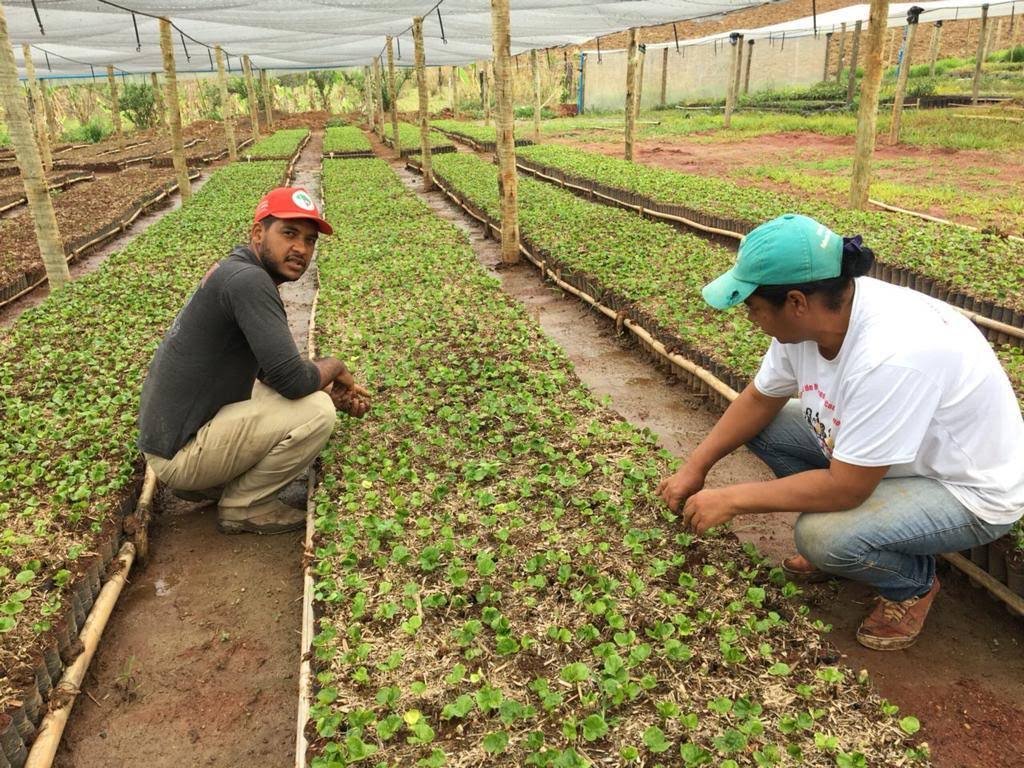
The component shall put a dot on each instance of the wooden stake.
(901, 83)
(424, 111)
(377, 122)
(990, 39)
(268, 98)
(746, 77)
(642, 52)
(739, 69)
(368, 96)
(980, 56)
(867, 115)
(828, 50)
(508, 184)
(842, 52)
(631, 70)
(37, 110)
(455, 92)
(535, 70)
(933, 54)
(26, 152)
(158, 100)
(115, 103)
(392, 94)
(227, 107)
(664, 77)
(730, 82)
(52, 126)
(488, 86)
(851, 82)
(250, 96)
(174, 111)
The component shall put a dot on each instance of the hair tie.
(853, 245)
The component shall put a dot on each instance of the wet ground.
(199, 665)
(963, 679)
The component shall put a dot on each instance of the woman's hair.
(857, 261)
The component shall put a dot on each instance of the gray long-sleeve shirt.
(232, 328)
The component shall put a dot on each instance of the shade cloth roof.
(70, 35)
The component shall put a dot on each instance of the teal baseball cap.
(788, 250)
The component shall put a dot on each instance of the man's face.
(783, 323)
(285, 247)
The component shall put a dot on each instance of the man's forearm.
(817, 490)
(330, 368)
(745, 417)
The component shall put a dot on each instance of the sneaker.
(267, 517)
(894, 625)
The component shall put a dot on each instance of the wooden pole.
(174, 111)
(268, 98)
(739, 70)
(746, 77)
(535, 71)
(115, 104)
(26, 152)
(378, 102)
(368, 96)
(421, 83)
(631, 67)
(52, 126)
(508, 184)
(730, 83)
(851, 82)
(664, 77)
(488, 88)
(250, 96)
(990, 39)
(37, 110)
(980, 56)
(227, 107)
(842, 52)
(828, 50)
(455, 92)
(642, 53)
(158, 100)
(901, 81)
(867, 115)
(392, 95)
(933, 54)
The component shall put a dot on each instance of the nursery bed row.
(409, 138)
(495, 579)
(654, 281)
(71, 371)
(346, 141)
(281, 145)
(482, 138)
(87, 217)
(978, 271)
(12, 190)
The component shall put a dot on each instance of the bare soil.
(199, 664)
(976, 173)
(963, 679)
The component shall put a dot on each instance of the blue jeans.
(890, 541)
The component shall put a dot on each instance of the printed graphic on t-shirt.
(820, 416)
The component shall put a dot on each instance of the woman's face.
(782, 323)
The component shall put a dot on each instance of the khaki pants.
(254, 448)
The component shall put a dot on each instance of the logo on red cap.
(291, 203)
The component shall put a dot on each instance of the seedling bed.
(12, 192)
(21, 268)
(496, 582)
(409, 138)
(70, 402)
(480, 138)
(346, 142)
(669, 337)
(211, 153)
(935, 284)
(282, 145)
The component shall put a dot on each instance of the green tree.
(138, 104)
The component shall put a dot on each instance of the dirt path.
(199, 664)
(964, 677)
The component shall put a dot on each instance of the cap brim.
(321, 225)
(727, 291)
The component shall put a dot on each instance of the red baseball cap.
(291, 203)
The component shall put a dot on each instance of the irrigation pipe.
(936, 219)
(981, 320)
(999, 590)
(44, 748)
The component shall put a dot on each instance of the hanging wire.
(48, 67)
(138, 41)
(441, 23)
(210, 54)
(187, 57)
(814, 16)
(598, 50)
(398, 40)
(39, 21)
(675, 34)
(93, 70)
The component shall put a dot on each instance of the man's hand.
(706, 509)
(352, 400)
(677, 488)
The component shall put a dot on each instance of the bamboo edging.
(999, 590)
(981, 320)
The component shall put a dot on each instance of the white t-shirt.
(915, 386)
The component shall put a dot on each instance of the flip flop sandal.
(802, 574)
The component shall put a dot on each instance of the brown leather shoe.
(894, 625)
(267, 517)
